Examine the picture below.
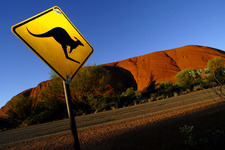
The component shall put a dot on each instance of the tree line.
(93, 90)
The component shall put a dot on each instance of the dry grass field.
(156, 132)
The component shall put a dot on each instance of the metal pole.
(71, 116)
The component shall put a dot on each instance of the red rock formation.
(164, 65)
(136, 71)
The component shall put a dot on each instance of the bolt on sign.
(53, 37)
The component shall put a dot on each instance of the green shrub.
(197, 88)
(175, 94)
(138, 94)
(188, 78)
(208, 139)
(92, 80)
(20, 108)
(98, 104)
(188, 134)
(153, 96)
(215, 65)
(129, 92)
(166, 89)
(7, 123)
(151, 88)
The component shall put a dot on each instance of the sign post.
(73, 126)
(53, 38)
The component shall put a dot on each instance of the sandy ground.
(155, 132)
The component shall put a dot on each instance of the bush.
(166, 88)
(90, 89)
(6, 123)
(93, 80)
(153, 96)
(52, 109)
(138, 94)
(188, 78)
(188, 134)
(130, 97)
(216, 71)
(151, 88)
(215, 65)
(20, 108)
(129, 92)
(197, 88)
(151, 85)
(209, 139)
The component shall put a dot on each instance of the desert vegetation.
(93, 90)
(207, 139)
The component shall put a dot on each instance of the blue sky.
(117, 29)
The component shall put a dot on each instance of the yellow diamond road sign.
(53, 37)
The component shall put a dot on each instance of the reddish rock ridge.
(136, 71)
(164, 65)
(27, 93)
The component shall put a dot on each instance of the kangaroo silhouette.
(63, 38)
